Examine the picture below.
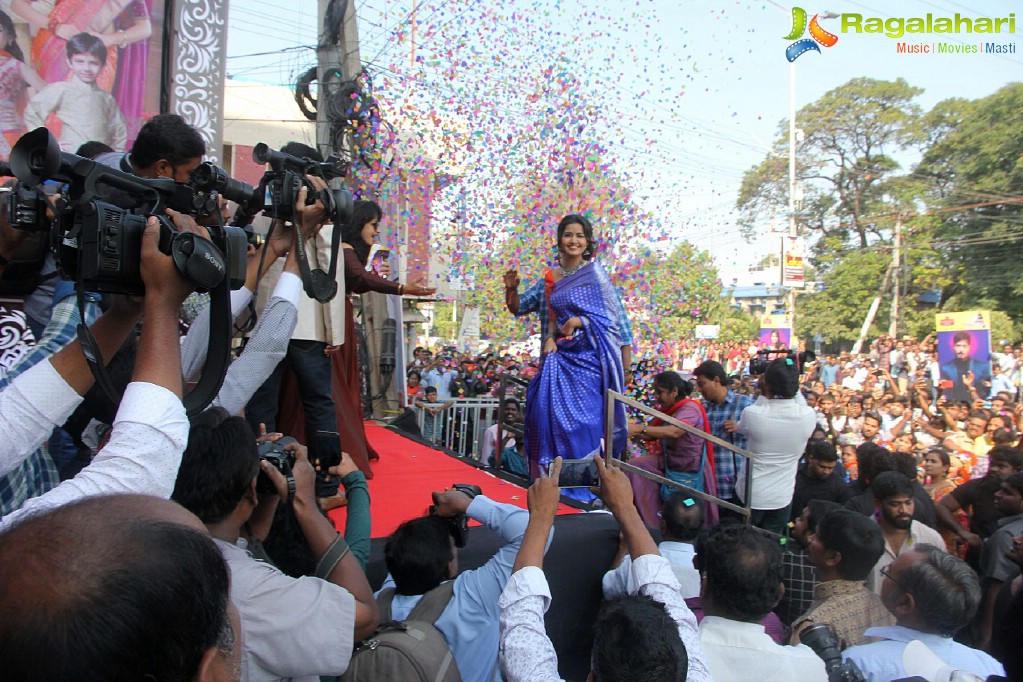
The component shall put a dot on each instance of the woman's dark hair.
(362, 212)
(416, 372)
(577, 219)
(942, 454)
(782, 378)
(673, 381)
(12, 45)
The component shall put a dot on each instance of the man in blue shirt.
(724, 407)
(421, 554)
(931, 594)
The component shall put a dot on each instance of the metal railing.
(514, 429)
(614, 396)
(460, 426)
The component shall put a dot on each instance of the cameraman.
(294, 627)
(166, 147)
(150, 429)
(320, 327)
(421, 554)
(268, 342)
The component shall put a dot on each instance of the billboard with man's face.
(964, 354)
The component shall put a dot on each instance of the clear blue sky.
(696, 89)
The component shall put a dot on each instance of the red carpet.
(408, 472)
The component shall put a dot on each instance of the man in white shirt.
(648, 632)
(742, 583)
(681, 522)
(777, 425)
(150, 429)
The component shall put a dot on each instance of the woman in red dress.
(357, 238)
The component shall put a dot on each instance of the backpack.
(411, 650)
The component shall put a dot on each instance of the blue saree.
(565, 403)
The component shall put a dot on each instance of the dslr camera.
(459, 525)
(282, 460)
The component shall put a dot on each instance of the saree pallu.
(565, 403)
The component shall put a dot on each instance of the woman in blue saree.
(565, 404)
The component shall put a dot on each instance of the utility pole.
(893, 325)
(337, 62)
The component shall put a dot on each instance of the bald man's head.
(115, 587)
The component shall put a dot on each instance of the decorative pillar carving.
(198, 56)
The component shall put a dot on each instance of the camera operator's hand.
(186, 223)
(282, 240)
(303, 472)
(451, 502)
(265, 437)
(310, 217)
(159, 274)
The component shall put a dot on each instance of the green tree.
(444, 327)
(738, 325)
(670, 294)
(837, 312)
(974, 173)
(844, 163)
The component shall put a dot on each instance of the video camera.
(758, 364)
(277, 195)
(459, 525)
(209, 181)
(278, 190)
(98, 241)
(97, 235)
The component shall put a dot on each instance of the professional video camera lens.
(209, 177)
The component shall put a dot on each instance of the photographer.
(320, 326)
(294, 627)
(166, 147)
(150, 429)
(421, 554)
(268, 342)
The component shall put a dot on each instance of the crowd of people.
(138, 541)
